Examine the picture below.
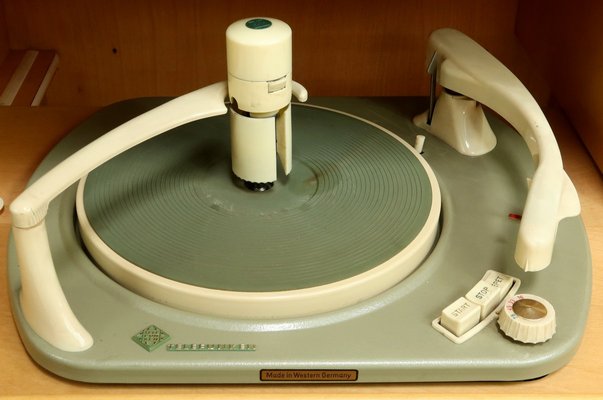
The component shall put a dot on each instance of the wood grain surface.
(111, 50)
(564, 40)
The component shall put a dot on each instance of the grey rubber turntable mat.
(355, 198)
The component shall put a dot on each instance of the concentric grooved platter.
(385, 337)
(357, 215)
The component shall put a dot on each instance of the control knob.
(527, 318)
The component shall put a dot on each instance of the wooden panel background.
(112, 49)
(565, 40)
(4, 46)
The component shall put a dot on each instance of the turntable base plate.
(385, 338)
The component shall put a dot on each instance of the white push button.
(470, 314)
(460, 316)
(502, 281)
(486, 296)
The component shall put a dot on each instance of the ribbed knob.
(528, 318)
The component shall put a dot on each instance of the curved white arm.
(465, 67)
(42, 300)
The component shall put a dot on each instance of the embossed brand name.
(210, 347)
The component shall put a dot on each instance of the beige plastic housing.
(253, 147)
(460, 122)
(463, 66)
(259, 61)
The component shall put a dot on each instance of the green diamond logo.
(151, 337)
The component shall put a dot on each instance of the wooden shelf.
(25, 76)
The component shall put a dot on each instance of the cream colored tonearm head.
(471, 74)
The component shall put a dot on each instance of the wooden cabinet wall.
(565, 41)
(4, 45)
(111, 50)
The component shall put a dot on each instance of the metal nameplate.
(315, 375)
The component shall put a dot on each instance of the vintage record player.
(232, 236)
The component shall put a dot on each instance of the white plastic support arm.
(465, 67)
(284, 130)
(42, 300)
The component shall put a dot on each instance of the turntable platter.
(168, 220)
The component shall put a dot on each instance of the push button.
(460, 316)
(486, 296)
(470, 314)
(502, 281)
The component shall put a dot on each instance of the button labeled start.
(470, 314)
(460, 316)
